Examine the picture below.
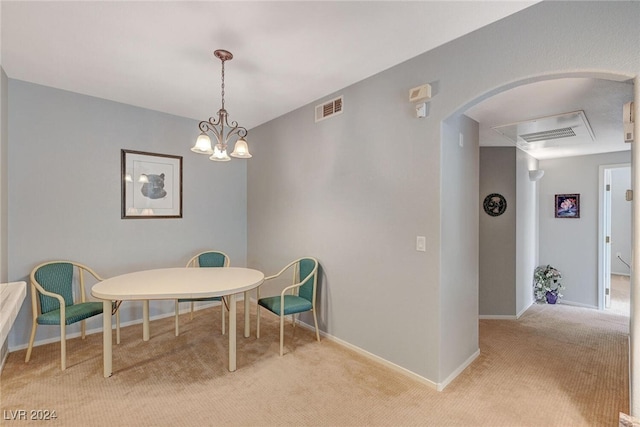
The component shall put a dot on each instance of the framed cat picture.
(151, 185)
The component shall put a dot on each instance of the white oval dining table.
(172, 284)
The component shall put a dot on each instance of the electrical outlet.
(618, 254)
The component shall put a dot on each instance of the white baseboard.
(458, 371)
(497, 317)
(577, 304)
(524, 310)
(372, 356)
(505, 316)
(626, 274)
(436, 386)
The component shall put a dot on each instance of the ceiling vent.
(329, 109)
(548, 134)
(567, 128)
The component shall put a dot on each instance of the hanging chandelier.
(221, 129)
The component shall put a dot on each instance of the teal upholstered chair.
(52, 301)
(205, 259)
(296, 298)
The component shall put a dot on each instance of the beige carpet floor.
(556, 366)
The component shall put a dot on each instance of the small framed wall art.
(151, 185)
(567, 206)
(494, 204)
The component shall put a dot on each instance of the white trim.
(634, 326)
(391, 365)
(505, 316)
(458, 371)
(601, 228)
(374, 358)
(577, 304)
(524, 310)
(497, 317)
(627, 274)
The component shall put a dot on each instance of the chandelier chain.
(223, 84)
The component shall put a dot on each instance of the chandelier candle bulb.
(221, 129)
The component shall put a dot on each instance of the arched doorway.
(635, 179)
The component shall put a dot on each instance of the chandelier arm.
(234, 129)
(209, 126)
(240, 131)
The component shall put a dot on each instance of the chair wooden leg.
(294, 322)
(31, 339)
(315, 321)
(177, 318)
(63, 346)
(281, 334)
(192, 305)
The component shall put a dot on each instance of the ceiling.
(601, 102)
(159, 55)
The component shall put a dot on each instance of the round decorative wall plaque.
(494, 204)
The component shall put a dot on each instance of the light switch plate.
(421, 243)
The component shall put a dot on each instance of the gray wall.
(328, 189)
(508, 243)
(355, 190)
(459, 244)
(526, 230)
(64, 197)
(620, 220)
(497, 295)
(571, 244)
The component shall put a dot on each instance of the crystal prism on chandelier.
(221, 129)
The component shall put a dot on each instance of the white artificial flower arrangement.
(547, 279)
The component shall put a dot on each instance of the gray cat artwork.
(154, 188)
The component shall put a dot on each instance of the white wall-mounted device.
(627, 121)
(535, 175)
(420, 93)
(421, 110)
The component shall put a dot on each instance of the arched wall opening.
(522, 295)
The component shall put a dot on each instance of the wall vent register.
(329, 109)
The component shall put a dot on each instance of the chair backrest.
(210, 259)
(307, 268)
(55, 277)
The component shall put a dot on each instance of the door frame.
(604, 229)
